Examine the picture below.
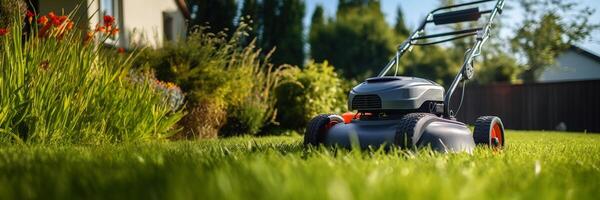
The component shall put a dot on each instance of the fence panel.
(538, 106)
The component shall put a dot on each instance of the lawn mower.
(410, 112)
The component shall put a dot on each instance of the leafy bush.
(497, 68)
(228, 85)
(57, 87)
(307, 92)
(10, 9)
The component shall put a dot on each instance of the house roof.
(585, 53)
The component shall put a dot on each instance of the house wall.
(143, 21)
(572, 66)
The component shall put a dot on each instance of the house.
(575, 64)
(144, 22)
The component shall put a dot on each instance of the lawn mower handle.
(446, 18)
(467, 67)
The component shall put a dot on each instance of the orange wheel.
(489, 131)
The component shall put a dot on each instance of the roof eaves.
(585, 53)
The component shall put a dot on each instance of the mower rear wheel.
(318, 126)
(407, 129)
(489, 131)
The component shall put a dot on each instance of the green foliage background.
(305, 93)
(357, 42)
(229, 85)
(230, 71)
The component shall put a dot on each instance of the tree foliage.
(441, 63)
(251, 12)
(550, 27)
(277, 24)
(430, 62)
(218, 14)
(307, 92)
(357, 42)
(400, 27)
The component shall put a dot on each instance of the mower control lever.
(471, 14)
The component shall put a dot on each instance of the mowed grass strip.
(534, 165)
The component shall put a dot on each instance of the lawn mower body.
(439, 134)
(410, 112)
(399, 96)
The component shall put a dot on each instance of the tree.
(550, 27)
(430, 62)
(290, 37)
(251, 14)
(439, 63)
(442, 63)
(317, 24)
(278, 24)
(497, 68)
(496, 64)
(357, 42)
(275, 24)
(400, 27)
(218, 14)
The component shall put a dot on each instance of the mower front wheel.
(409, 125)
(317, 128)
(489, 131)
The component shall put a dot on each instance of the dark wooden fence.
(538, 106)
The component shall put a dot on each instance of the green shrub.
(305, 93)
(57, 88)
(246, 118)
(228, 85)
(10, 9)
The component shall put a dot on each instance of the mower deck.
(440, 134)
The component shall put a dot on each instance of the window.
(107, 7)
(168, 27)
(110, 7)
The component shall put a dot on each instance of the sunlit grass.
(534, 165)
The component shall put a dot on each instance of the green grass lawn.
(534, 165)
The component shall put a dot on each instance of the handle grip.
(471, 14)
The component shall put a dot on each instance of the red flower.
(44, 30)
(52, 16)
(30, 16)
(114, 31)
(88, 37)
(43, 20)
(121, 50)
(3, 31)
(62, 19)
(56, 22)
(100, 29)
(108, 20)
(70, 25)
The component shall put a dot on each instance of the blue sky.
(415, 10)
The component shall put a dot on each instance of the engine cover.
(394, 93)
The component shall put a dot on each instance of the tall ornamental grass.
(228, 82)
(59, 85)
